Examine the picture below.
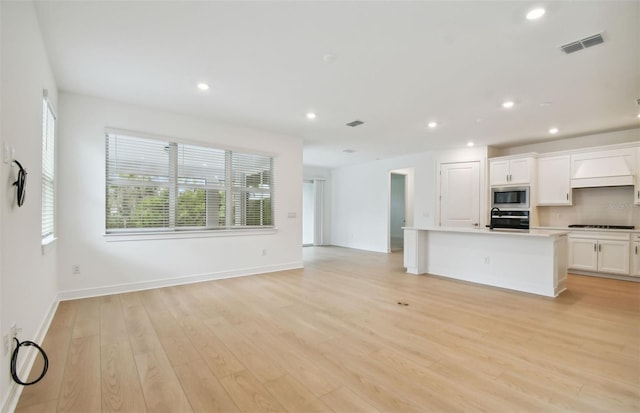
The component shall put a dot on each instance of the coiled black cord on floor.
(14, 362)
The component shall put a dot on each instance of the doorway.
(400, 207)
(398, 211)
(313, 212)
(308, 213)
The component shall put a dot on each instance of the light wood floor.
(333, 338)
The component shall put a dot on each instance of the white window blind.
(155, 185)
(48, 169)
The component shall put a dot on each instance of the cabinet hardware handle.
(595, 247)
(599, 247)
(636, 250)
(567, 196)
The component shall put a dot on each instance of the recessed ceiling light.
(535, 14)
(553, 131)
(329, 58)
(432, 124)
(203, 86)
(470, 144)
(311, 115)
(508, 104)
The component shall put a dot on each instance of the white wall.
(28, 284)
(360, 207)
(587, 141)
(108, 266)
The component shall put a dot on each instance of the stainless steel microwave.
(511, 197)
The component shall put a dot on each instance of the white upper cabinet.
(554, 180)
(516, 171)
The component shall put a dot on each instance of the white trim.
(160, 235)
(48, 243)
(169, 282)
(10, 402)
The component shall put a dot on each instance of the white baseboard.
(15, 390)
(169, 282)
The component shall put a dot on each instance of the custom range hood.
(603, 168)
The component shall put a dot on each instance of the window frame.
(48, 172)
(178, 184)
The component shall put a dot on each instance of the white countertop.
(536, 232)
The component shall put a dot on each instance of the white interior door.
(460, 194)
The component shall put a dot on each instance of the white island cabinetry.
(533, 262)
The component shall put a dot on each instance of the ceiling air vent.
(355, 123)
(582, 43)
(592, 40)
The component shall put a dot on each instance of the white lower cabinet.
(608, 253)
(635, 256)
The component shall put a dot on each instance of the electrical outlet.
(264, 252)
(75, 269)
(6, 153)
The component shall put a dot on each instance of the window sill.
(150, 236)
(47, 244)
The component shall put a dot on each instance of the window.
(48, 170)
(155, 185)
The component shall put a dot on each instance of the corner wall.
(586, 141)
(360, 196)
(28, 284)
(108, 266)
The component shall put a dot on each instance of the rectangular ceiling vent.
(355, 123)
(582, 43)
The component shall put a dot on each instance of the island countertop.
(535, 232)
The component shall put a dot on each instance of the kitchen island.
(532, 261)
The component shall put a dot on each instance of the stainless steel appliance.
(602, 226)
(511, 197)
(509, 219)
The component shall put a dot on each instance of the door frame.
(408, 199)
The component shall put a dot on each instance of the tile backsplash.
(600, 206)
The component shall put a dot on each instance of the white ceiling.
(397, 66)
